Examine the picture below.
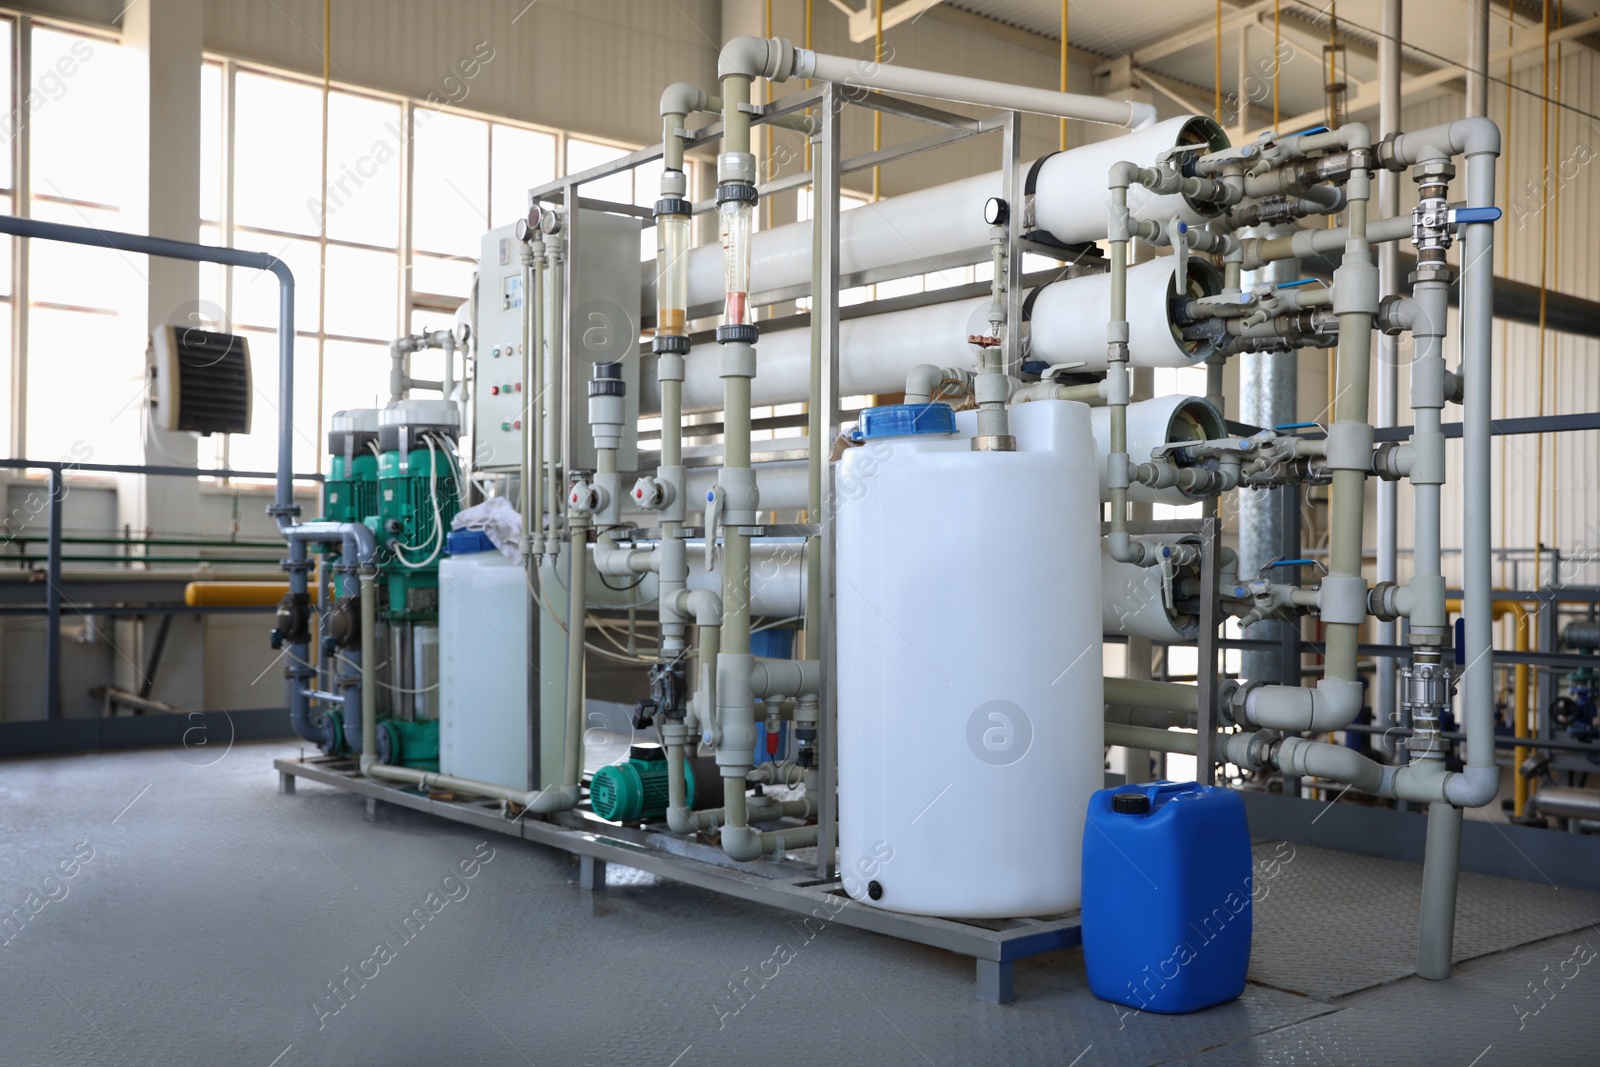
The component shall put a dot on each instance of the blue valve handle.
(1462, 215)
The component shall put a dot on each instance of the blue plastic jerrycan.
(1167, 884)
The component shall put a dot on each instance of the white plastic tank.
(483, 665)
(969, 664)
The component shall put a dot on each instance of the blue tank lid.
(903, 420)
(465, 542)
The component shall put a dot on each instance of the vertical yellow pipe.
(1506, 158)
(1216, 112)
(1061, 134)
(1277, 42)
(1544, 240)
(808, 85)
(1555, 283)
(877, 116)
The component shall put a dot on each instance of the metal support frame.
(826, 171)
(52, 633)
(1205, 768)
(995, 945)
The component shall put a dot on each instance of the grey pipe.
(1388, 501)
(1565, 802)
(1442, 860)
(780, 60)
(1161, 696)
(369, 669)
(1150, 739)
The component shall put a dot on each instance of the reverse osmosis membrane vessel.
(969, 669)
(1070, 203)
(877, 351)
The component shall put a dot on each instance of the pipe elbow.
(1473, 787)
(1476, 136)
(682, 98)
(552, 799)
(1123, 174)
(741, 843)
(281, 271)
(682, 821)
(702, 605)
(756, 57)
(925, 378)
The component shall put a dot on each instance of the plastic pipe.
(736, 491)
(1149, 738)
(1385, 709)
(577, 623)
(1121, 547)
(1143, 693)
(533, 375)
(941, 85)
(556, 459)
(369, 669)
(1522, 711)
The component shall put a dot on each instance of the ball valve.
(586, 498)
(653, 494)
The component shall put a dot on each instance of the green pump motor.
(635, 790)
(350, 493)
(418, 496)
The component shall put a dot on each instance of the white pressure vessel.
(969, 665)
(1066, 321)
(1071, 201)
(1161, 420)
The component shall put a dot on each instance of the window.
(83, 344)
(388, 244)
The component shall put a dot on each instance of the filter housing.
(969, 666)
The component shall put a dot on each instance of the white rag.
(499, 520)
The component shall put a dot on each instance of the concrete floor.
(205, 918)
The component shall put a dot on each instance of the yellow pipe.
(234, 594)
(1521, 716)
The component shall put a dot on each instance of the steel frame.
(994, 945)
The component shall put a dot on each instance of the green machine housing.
(418, 495)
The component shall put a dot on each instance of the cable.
(621, 588)
(437, 540)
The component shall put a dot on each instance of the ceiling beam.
(864, 20)
(1533, 11)
(1195, 34)
(1367, 99)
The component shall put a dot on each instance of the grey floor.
(212, 915)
